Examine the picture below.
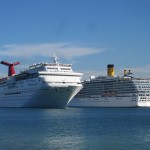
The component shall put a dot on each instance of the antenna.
(55, 59)
(11, 70)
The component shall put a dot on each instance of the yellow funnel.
(110, 70)
(125, 72)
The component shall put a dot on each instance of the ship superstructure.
(47, 85)
(112, 91)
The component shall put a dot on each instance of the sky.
(89, 34)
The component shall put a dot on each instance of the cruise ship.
(42, 85)
(113, 91)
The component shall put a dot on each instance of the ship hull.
(144, 103)
(42, 85)
(104, 102)
(50, 97)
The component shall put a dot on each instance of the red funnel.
(11, 70)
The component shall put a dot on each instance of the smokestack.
(110, 70)
(129, 71)
(11, 70)
(125, 72)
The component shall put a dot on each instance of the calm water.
(75, 129)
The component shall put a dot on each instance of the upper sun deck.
(118, 79)
(34, 66)
(55, 66)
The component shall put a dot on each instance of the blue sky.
(89, 34)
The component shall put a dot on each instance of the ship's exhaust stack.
(11, 70)
(125, 72)
(110, 70)
(129, 72)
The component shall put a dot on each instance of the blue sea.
(75, 129)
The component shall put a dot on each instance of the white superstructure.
(111, 91)
(47, 85)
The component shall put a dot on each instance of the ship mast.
(55, 59)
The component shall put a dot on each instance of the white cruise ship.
(111, 91)
(44, 85)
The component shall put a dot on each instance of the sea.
(75, 129)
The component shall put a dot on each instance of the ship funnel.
(125, 72)
(110, 70)
(11, 70)
(129, 71)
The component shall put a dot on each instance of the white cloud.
(28, 53)
(65, 50)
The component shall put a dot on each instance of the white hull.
(42, 85)
(144, 104)
(108, 102)
(51, 97)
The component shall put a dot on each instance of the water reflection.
(108, 129)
